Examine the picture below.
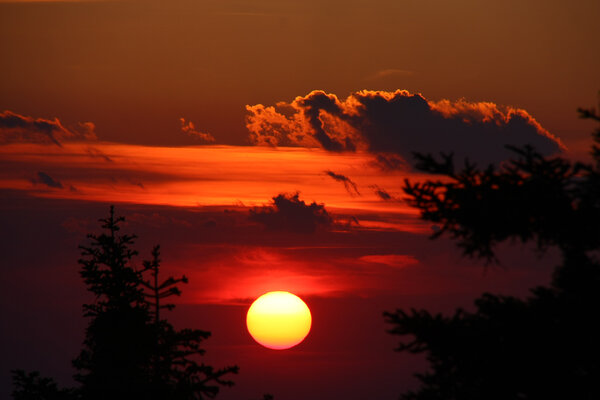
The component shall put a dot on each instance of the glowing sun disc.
(278, 320)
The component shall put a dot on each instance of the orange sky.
(135, 67)
(160, 107)
(198, 176)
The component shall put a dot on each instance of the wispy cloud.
(190, 129)
(382, 193)
(205, 175)
(393, 260)
(20, 128)
(47, 180)
(348, 183)
(94, 152)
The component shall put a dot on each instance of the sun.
(278, 320)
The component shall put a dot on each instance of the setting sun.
(278, 320)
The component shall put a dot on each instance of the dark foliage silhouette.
(175, 373)
(544, 347)
(129, 351)
(30, 386)
(118, 345)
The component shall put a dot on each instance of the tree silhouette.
(129, 351)
(544, 347)
(30, 386)
(119, 342)
(175, 374)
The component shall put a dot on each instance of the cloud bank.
(19, 128)
(289, 213)
(393, 125)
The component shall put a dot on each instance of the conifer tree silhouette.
(175, 373)
(543, 347)
(116, 358)
(129, 351)
(31, 386)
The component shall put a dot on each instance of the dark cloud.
(393, 125)
(210, 223)
(348, 183)
(20, 128)
(189, 128)
(349, 223)
(137, 183)
(313, 107)
(381, 193)
(389, 162)
(95, 153)
(47, 180)
(289, 213)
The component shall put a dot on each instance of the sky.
(264, 145)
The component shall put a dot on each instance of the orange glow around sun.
(278, 320)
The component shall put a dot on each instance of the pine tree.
(119, 341)
(31, 386)
(176, 373)
(129, 350)
(543, 347)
